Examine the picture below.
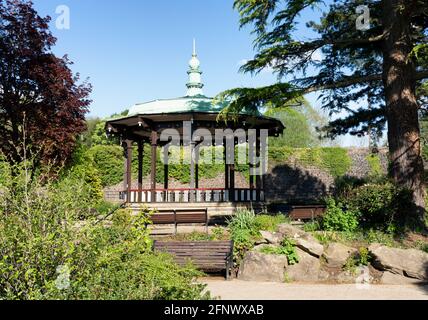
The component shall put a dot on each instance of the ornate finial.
(195, 85)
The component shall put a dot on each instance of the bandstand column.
(128, 147)
(154, 144)
(165, 173)
(226, 167)
(140, 170)
(258, 169)
(192, 172)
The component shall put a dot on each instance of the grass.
(270, 222)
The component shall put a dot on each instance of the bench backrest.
(205, 254)
(169, 216)
(306, 212)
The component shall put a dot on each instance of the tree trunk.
(401, 106)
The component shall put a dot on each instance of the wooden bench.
(181, 216)
(306, 212)
(205, 255)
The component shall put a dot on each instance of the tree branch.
(350, 80)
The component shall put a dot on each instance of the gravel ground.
(249, 290)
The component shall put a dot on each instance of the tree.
(40, 100)
(301, 121)
(383, 67)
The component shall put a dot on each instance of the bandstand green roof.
(194, 106)
(199, 103)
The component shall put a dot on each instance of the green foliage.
(380, 205)
(361, 258)
(270, 222)
(86, 137)
(287, 248)
(312, 226)
(243, 230)
(280, 154)
(109, 161)
(84, 168)
(336, 218)
(301, 121)
(334, 160)
(375, 165)
(46, 252)
(358, 236)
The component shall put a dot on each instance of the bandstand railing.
(183, 195)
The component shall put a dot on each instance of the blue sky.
(138, 50)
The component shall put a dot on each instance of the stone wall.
(287, 181)
(293, 182)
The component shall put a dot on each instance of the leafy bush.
(269, 222)
(108, 160)
(312, 226)
(380, 206)
(46, 252)
(83, 168)
(244, 231)
(375, 165)
(336, 218)
(287, 248)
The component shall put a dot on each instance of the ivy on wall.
(375, 165)
(110, 162)
(334, 160)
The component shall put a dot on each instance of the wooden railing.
(193, 195)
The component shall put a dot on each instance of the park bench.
(205, 255)
(306, 212)
(180, 216)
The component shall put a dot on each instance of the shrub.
(312, 226)
(270, 222)
(380, 206)
(47, 253)
(243, 230)
(108, 160)
(336, 218)
(287, 248)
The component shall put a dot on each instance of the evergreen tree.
(383, 66)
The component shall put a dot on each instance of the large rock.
(306, 270)
(406, 262)
(337, 254)
(272, 237)
(392, 278)
(257, 266)
(303, 239)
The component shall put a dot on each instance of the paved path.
(249, 290)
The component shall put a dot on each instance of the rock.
(290, 231)
(312, 247)
(272, 237)
(303, 239)
(261, 246)
(306, 270)
(392, 278)
(411, 263)
(337, 254)
(257, 266)
(361, 275)
(260, 242)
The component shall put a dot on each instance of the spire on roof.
(195, 85)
